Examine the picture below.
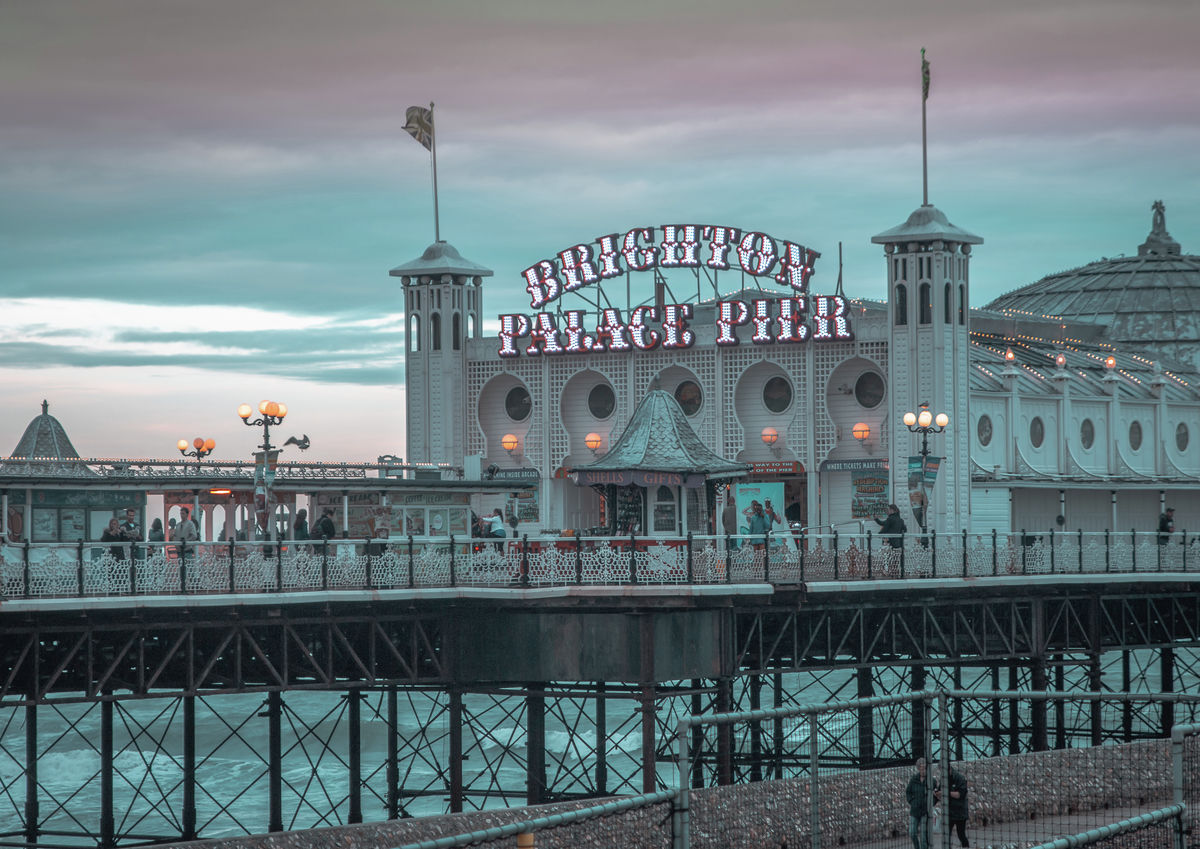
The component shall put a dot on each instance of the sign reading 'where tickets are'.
(796, 318)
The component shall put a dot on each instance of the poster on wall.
(869, 494)
(769, 494)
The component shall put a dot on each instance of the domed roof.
(45, 438)
(440, 258)
(1149, 302)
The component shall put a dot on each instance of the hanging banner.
(869, 494)
(265, 463)
(916, 489)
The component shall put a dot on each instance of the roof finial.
(45, 407)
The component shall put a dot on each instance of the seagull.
(302, 443)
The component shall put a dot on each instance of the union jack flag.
(924, 79)
(419, 125)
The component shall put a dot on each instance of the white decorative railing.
(89, 569)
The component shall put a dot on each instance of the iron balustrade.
(89, 569)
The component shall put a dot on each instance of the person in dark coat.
(1166, 526)
(325, 528)
(113, 534)
(892, 527)
(958, 806)
(917, 796)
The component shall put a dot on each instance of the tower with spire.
(442, 304)
(929, 317)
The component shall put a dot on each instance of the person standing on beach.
(958, 806)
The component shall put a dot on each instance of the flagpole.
(924, 146)
(437, 233)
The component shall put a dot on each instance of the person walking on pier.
(1166, 526)
(325, 529)
(958, 806)
(917, 796)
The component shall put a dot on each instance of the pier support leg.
(275, 761)
(189, 768)
(601, 740)
(535, 744)
(864, 677)
(31, 771)
(755, 684)
(456, 751)
(918, 714)
(107, 825)
(354, 756)
(1167, 685)
(393, 755)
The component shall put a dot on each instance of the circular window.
(518, 404)
(983, 429)
(777, 394)
(1037, 432)
(868, 389)
(1135, 436)
(602, 401)
(1087, 433)
(1181, 436)
(689, 396)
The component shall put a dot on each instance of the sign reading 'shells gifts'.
(798, 317)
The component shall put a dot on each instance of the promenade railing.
(82, 568)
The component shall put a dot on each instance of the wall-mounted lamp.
(1060, 360)
(593, 441)
(1009, 356)
(509, 442)
(770, 436)
(1110, 362)
(862, 431)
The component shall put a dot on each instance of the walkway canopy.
(658, 447)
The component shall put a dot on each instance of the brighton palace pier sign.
(797, 317)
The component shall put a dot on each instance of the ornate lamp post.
(204, 447)
(272, 414)
(925, 423)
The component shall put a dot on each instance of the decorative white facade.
(1052, 431)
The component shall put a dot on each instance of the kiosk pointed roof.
(659, 438)
(45, 437)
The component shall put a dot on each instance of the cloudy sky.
(202, 198)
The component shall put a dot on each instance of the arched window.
(947, 307)
(456, 331)
(962, 304)
(471, 326)
(414, 333)
(901, 304)
(926, 305)
(435, 332)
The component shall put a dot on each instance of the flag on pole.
(924, 80)
(419, 125)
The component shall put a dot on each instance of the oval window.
(689, 396)
(518, 404)
(1135, 436)
(777, 394)
(1181, 436)
(602, 401)
(983, 429)
(868, 389)
(1087, 433)
(1037, 432)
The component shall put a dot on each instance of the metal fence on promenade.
(34, 570)
(1111, 791)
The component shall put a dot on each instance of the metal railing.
(83, 569)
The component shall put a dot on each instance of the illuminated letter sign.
(771, 322)
(681, 246)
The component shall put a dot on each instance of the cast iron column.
(275, 761)
(31, 768)
(107, 826)
(189, 767)
(535, 743)
(456, 750)
(601, 740)
(866, 718)
(354, 756)
(393, 755)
